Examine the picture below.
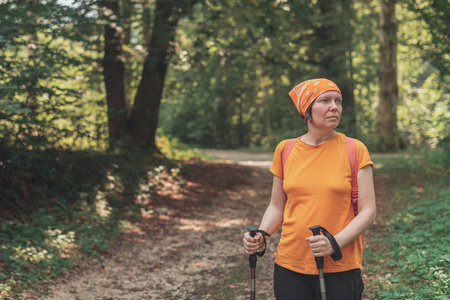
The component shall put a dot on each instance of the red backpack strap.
(286, 151)
(351, 152)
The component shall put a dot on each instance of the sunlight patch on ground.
(262, 164)
(126, 226)
(147, 213)
(102, 207)
(195, 225)
(230, 222)
(200, 225)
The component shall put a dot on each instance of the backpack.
(351, 152)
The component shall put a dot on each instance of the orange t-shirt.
(317, 182)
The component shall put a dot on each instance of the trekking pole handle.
(252, 230)
(315, 229)
(319, 260)
(252, 258)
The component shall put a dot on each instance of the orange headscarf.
(306, 92)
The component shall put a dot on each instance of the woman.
(313, 188)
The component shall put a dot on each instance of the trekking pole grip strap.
(337, 255)
(264, 234)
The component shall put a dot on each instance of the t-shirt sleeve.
(363, 155)
(277, 169)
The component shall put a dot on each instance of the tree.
(113, 72)
(140, 127)
(386, 126)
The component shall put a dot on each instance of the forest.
(95, 95)
(100, 74)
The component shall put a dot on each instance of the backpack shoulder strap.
(286, 151)
(350, 144)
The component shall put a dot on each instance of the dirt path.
(193, 244)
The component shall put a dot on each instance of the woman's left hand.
(320, 245)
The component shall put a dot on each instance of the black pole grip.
(252, 230)
(315, 229)
(252, 258)
(319, 260)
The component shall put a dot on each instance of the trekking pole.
(252, 259)
(319, 262)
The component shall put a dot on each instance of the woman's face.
(326, 110)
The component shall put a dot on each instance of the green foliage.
(48, 79)
(223, 94)
(228, 82)
(423, 115)
(441, 156)
(173, 149)
(31, 179)
(50, 243)
(410, 255)
(436, 17)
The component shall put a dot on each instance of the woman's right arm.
(272, 219)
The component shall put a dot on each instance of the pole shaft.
(252, 259)
(323, 293)
(252, 284)
(319, 262)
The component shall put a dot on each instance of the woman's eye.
(339, 101)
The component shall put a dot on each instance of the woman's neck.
(315, 138)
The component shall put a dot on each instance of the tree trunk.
(386, 127)
(334, 48)
(144, 114)
(127, 10)
(113, 71)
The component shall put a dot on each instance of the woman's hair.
(308, 116)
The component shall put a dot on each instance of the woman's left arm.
(366, 208)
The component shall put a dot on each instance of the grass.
(408, 257)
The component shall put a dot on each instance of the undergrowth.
(60, 207)
(408, 257)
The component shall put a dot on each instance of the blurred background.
(97, 74)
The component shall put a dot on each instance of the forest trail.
(191, 246)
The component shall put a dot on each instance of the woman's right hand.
(252, 244)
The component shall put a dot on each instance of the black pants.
(290, 285)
